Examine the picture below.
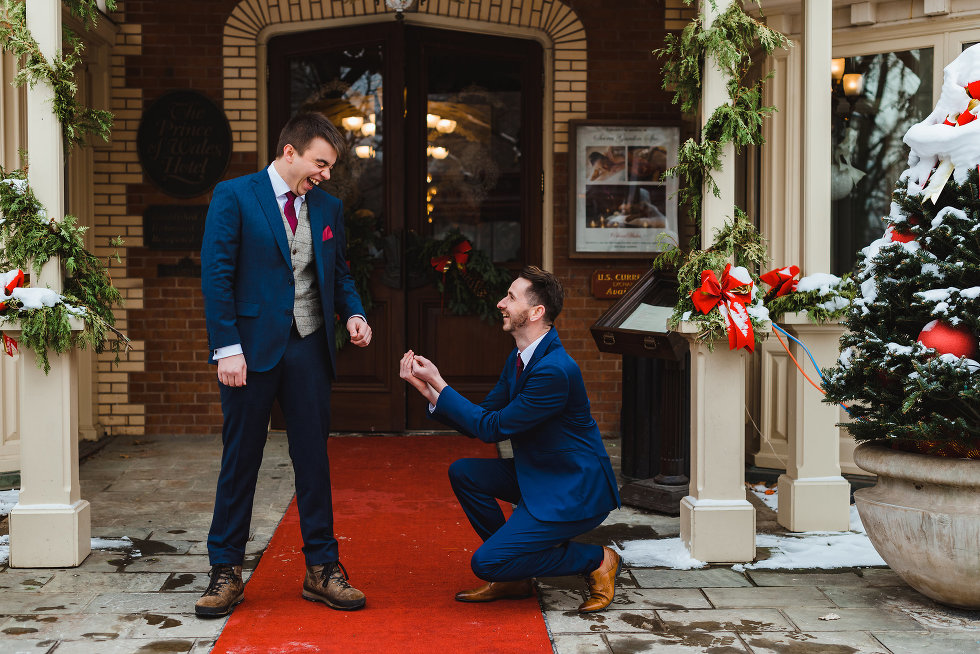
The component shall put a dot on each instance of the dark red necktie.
(520, 366)
(290, 210)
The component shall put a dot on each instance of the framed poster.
(620, 205)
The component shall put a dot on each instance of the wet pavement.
(157, 492)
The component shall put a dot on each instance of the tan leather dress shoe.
(496, 590)
(602, 583)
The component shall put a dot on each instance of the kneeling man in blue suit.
(560, 479)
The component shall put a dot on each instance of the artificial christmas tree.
(908, 364)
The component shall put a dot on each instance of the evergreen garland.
(77, 121)
(473, 288)
(29, 239)
(737, 241)
(729, 41)
(834, 305)
(899, 389)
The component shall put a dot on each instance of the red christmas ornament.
(945, 338)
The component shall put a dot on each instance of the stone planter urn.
(923, 517)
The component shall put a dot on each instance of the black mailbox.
(655, 416)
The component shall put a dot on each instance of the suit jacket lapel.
(262, 186)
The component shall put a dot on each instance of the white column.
(714, 93)
(51, 524)
(812, 494)
(717, 522)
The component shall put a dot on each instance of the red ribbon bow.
(18, 280)
(9, 344)
(781, 280)
(730, 296)
(460, 254)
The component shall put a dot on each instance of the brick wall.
(624, 84)
(166, 382)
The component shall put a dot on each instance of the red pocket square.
(327, 233)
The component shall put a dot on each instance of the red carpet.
(406, 543)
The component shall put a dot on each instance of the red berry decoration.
(945, 338)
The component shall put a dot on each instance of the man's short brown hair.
(546, 290)
(304, 127)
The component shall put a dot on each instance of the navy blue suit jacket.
(247, 273)
(562, 467)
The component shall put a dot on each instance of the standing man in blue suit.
(274, 273)
(560, 478)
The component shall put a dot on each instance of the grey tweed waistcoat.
(307, 310)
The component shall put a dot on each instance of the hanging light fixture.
(853, 84)
(352, 123)
(440, 152)
(368, 129)
(837, 68)
(445, 125)
(431, 120)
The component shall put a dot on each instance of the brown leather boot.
(328, 584)
(496, 590)
(602, 583)
(224, 593)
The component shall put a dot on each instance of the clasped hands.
(422, 375)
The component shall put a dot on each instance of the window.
(875, 102)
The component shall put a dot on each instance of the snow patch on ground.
(8, 499)
(824, 550)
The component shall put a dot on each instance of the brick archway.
(553, 23)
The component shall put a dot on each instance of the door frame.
(547, 252)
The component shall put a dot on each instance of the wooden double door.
(444, 131)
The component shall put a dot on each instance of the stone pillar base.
(50, 535)
(821, 504)
(718, 531)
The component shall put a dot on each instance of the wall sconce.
(837, 69)
(431, 120)
(352, 123)
(445, 126)
(364, 151)
(440, 152)
(853, 83)
(368, 129)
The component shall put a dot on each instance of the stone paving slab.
(860, 619)
(581, 644)
(691, 643)
(927, 643)
(142, 603)
(638, 621)
(26, 647)
(177, 563)
(871, 597)
(773, 597)
(152, 625)
(659, 598)
(57, 627)
(803, 578)
(714, 620)
(803, 643)
(100, 582)
(127, 646)
(28, 580)
(708, 578)
(20, 602)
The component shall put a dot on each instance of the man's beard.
(519, 321)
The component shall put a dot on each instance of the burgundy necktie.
(290, 210)
(520, 366)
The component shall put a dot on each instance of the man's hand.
(427, 372)
(359, 330)
(231, 370)
(405, 372)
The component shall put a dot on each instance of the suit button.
(295, 251)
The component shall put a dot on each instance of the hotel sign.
(184, 143)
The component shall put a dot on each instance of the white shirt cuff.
(227, 351)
